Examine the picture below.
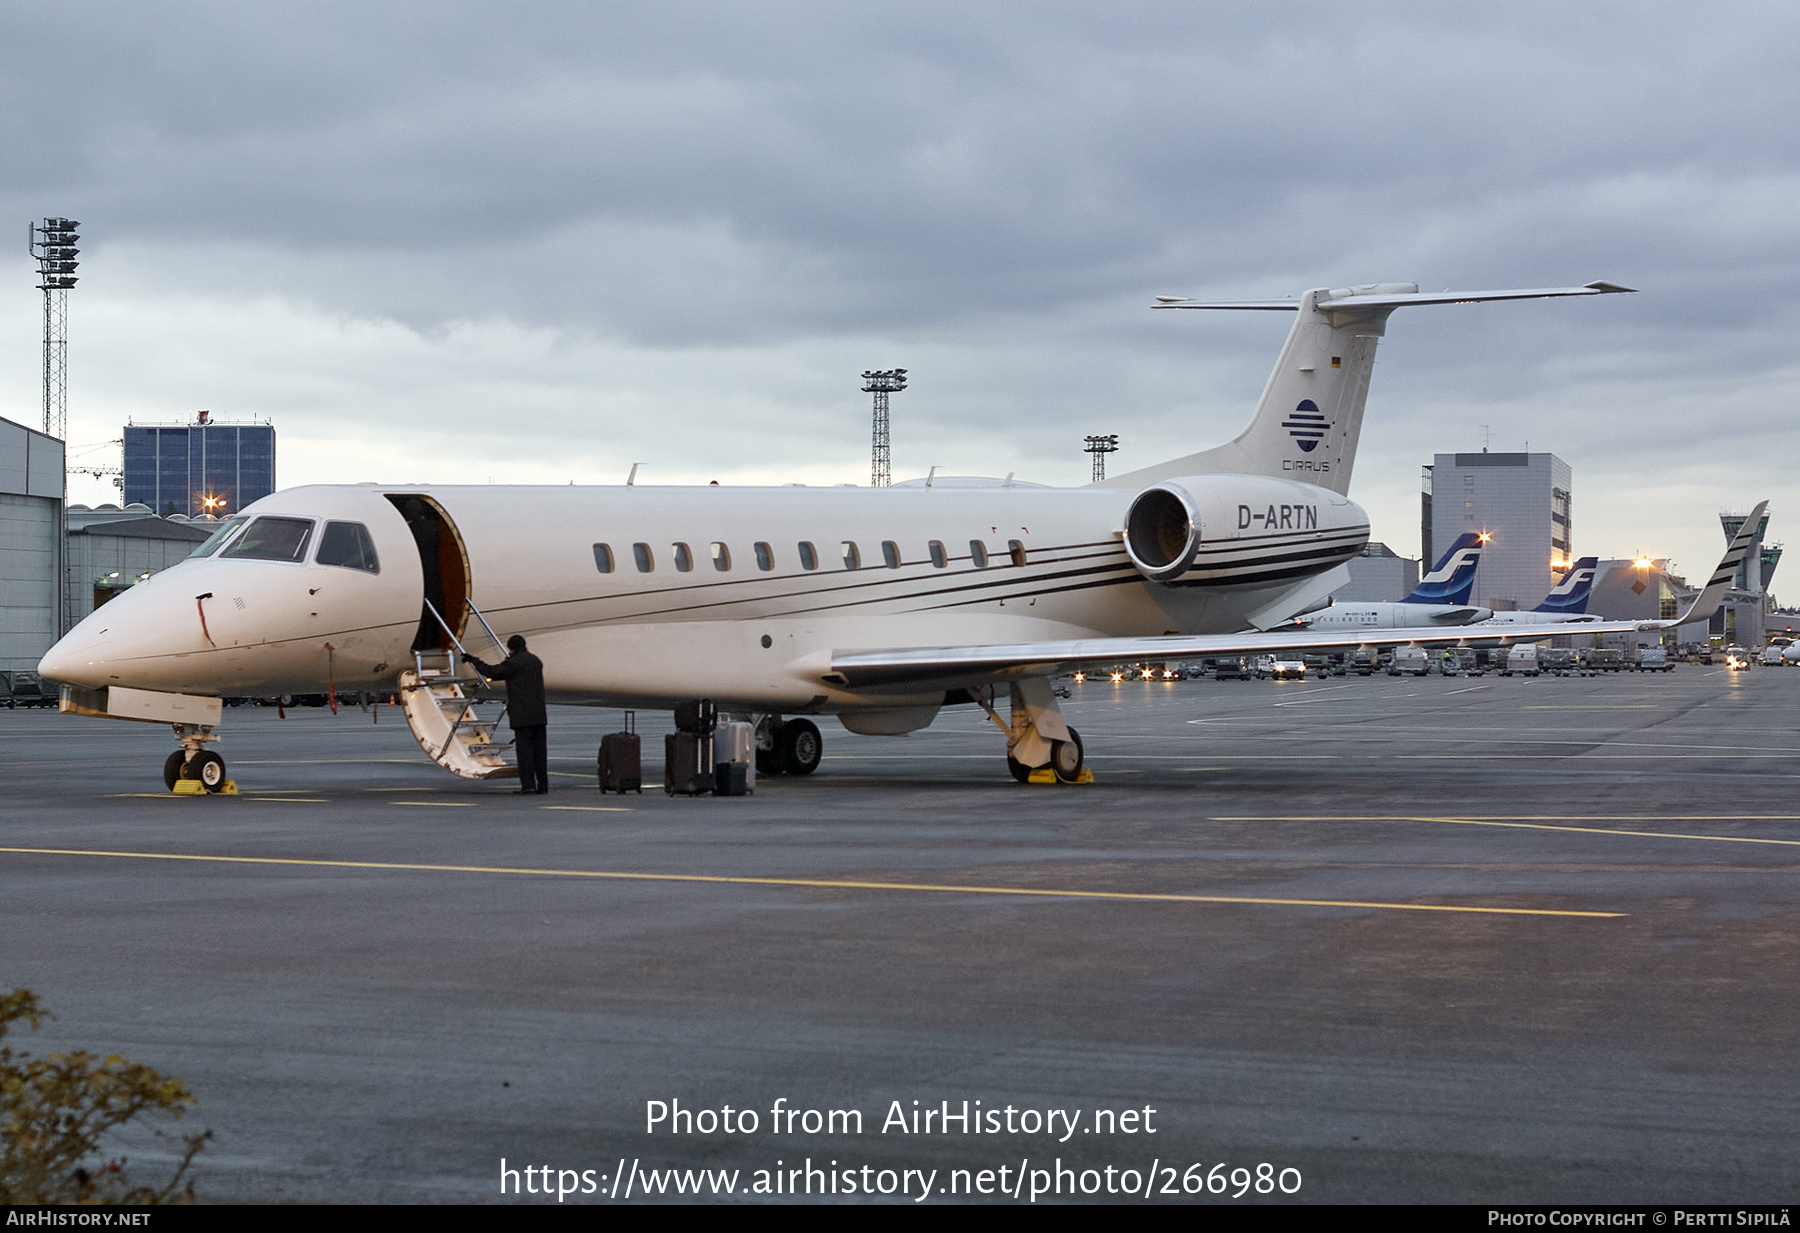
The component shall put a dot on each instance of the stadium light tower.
(1100, 447)
(881, 384)
(55, 254)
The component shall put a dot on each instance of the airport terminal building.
(1521, 500)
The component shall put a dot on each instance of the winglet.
(1707, 602)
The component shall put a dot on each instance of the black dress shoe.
(526, 792)
(543, 791)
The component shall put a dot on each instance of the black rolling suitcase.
(687, 764)
(620, 763)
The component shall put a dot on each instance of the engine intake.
(1162, 532)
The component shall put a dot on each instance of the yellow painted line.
(440, 804)
(590, 808)
(813, 883)
(1537, 826)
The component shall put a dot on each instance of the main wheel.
(1019, 770)
(1066, 757)
(208, 767)
(801, 747)
(172, 768)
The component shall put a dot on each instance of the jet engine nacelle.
(1182, 524)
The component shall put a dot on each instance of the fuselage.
(651, 594)
(1339, 618)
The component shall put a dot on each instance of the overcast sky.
(541, 242)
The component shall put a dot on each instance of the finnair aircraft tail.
(1570, 594)
(1453, 577)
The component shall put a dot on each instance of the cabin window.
(226, 530)
(273, 539)
(765, 556)
(852, 558)
(603, 558)
(890, 552)
(1016, 551)
(939, 557)
(349, 545)
(721, 556)
(684, 557)
(978, 553)
(645, 562)
(809, 556)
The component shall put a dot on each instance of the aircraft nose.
(125, 639)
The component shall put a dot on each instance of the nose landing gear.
(195, 764)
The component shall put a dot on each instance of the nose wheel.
(195, 763)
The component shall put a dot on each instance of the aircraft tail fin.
(1453, 577)
(1309, 419)
(1570, 594)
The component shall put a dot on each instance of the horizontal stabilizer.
(1381, 296)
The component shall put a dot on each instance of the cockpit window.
(273, 539)
(226, 530)
(348, 544)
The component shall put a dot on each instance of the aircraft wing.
(960, 665)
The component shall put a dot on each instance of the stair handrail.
(484, 624)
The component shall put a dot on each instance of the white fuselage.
(730, 606)
(1341, 618)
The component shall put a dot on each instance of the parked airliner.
(1440, 599)
(1566, 603)
(880, 606)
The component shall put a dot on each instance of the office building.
(1521, 501)
(210, 466)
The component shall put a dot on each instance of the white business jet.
(879, 606)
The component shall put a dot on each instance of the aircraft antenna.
(881, 384)
(1100, 447)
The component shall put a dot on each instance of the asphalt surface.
(1468, 940)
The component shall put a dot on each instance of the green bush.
(57, 1109)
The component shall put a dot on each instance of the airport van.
(1282, 665)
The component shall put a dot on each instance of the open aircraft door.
(440, 692)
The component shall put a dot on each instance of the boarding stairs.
(451, 711)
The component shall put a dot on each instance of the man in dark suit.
(523, 673)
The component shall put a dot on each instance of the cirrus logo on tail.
(1306, 425)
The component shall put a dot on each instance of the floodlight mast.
(1100, 447)
(55, 255)
(881, 384)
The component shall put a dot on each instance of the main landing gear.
(1037, 738)
(194, 762)
(791, 748)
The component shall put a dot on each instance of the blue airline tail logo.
(1570, 594)
(1453, 577)
(1306, 425)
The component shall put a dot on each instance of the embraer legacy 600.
(879, 606)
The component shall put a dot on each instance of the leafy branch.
(56, 1110)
